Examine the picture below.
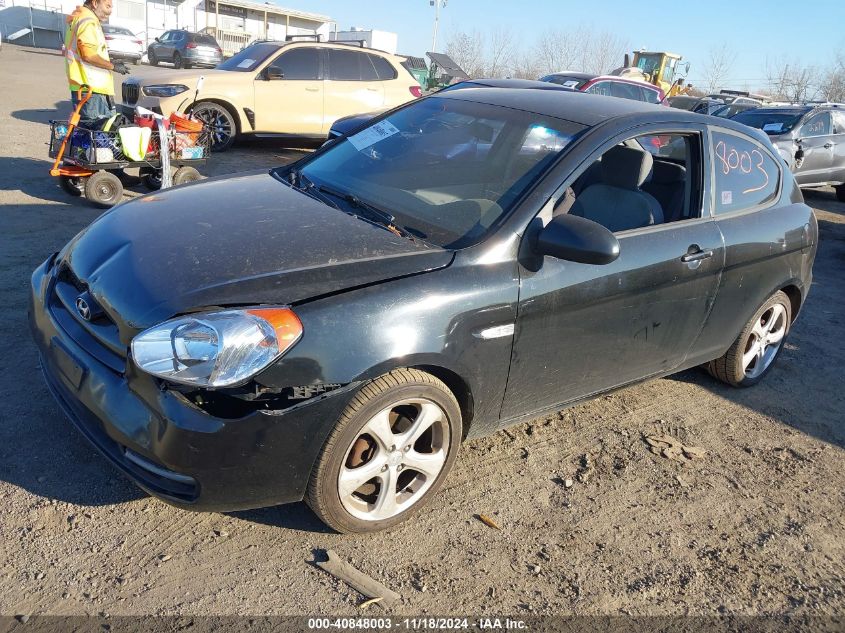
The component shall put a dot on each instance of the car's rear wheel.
(388, 454)
(840, 193)
(219, 122)
(758, 345)
(177, 60)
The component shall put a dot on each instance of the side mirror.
(158, 40)
(577, 239)
(273, 72)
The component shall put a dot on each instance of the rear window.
(350, 66)
(201, 38)
(746, 176)
(384, 69)
(249, 58)
(116, 30)
(563, 80)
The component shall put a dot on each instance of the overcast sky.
(810, 32)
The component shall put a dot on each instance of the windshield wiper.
(370, 213)
(302, 183)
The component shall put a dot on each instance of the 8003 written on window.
(745, 175)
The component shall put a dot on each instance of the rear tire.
(758, 345)
(840, 193)
(388, 454)
(177, 60)
(104, 189)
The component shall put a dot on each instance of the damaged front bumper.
(166, 444)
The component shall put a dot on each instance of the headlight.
(164, 90)
(216, 349)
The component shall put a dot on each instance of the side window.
(651, 96)
(626, 91)
(600, 88)
(745, 175)
(644, 181)
(839, 122)
(165, 37)
(384, 69)
(345, 65)
(299, 63)
(818, 125)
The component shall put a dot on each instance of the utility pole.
(436, 4)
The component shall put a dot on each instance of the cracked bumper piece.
(170, 448)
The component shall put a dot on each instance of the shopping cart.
(88, 161)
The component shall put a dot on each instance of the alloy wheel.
(765, 341)
(394, 459)
(218, 122)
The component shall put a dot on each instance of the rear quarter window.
(745, 175)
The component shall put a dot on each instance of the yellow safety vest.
(79, 72)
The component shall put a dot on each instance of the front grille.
(100, 337)
(130, 93)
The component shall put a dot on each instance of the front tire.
(218, 122)
(758, 345)
(151, 57)
(388, 454)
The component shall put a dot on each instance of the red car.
(608, 85)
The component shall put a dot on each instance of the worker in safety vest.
(87, 60)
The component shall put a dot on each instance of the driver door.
(586, 328)
(289, 94)
(816, 140)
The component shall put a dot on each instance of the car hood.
(231, 241)
(211, 79)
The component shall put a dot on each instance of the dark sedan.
(334, 329)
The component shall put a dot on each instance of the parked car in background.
(333, 329)
(729, 111)
(348, 124)
(281, 89)
(810, 138)
(683, 102)
(608, 85)
(123, 43)
(184, 49)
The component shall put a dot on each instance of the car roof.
(634, 82)
(512, 83)
(588, 109)
(780, 109)
(344, 44)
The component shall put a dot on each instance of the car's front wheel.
(218, 122)
(388, 454)
(758, 345)
(151, 57)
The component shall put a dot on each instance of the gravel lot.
(754, 527)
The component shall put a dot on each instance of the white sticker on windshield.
(727, 197)
(572, 83)
(373, 134)
(773, 127)
(246, 63)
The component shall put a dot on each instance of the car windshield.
(563, 80)
(249, 58)
(770, 122)
(446, 170)
(116, 30)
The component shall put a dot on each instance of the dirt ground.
(754, 527)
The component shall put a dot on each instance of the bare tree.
(602, 51)
(467, 49)
(793, 81)
(500, 59)
(527, 66)
(555, 51)
(832, 86)
(720, 61)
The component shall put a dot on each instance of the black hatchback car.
(334, 329)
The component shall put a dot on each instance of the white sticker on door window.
(373, 134)
(727, 197)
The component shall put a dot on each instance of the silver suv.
(810, 138)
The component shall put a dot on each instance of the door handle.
(827, 145)
(373, 89)
(313, 89)
(696, 256)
